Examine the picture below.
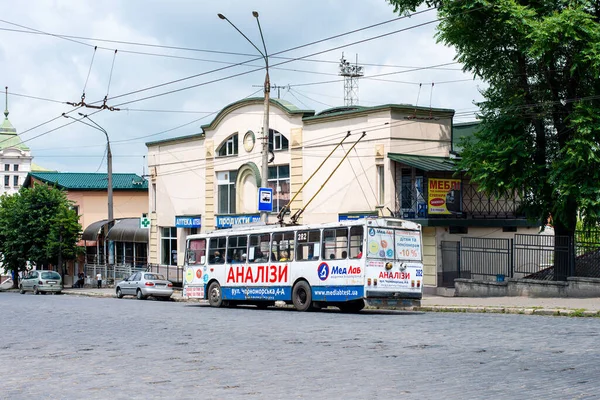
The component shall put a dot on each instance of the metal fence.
(540, 257)
(173, 273)
(485, 258)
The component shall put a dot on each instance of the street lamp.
(108, 161)
(265, 146)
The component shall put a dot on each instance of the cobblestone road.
(67, 347)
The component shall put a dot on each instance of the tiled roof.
(425, 163)
(89, 181)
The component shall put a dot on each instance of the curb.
(512, 310)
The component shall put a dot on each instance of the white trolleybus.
(347, 264)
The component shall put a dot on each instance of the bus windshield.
(393, 244)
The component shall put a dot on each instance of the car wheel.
(36, 290)
(139, 295)
(215, 296)
(21, 289)
(119, 293)
(302, 296)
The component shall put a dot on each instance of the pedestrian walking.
(99, 278)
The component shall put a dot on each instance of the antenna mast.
(351, 73)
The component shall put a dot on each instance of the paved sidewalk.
(584, 307)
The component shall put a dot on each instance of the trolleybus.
(346, 264)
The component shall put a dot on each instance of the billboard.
(444, 196)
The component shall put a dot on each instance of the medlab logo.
(323, 271)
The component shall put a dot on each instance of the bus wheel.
(352, 306)
(215, 297)
(302, 296)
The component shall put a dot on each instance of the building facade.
(126, 242)
(15, 158)
(349, 161)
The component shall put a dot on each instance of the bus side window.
(282, 248)
(335, 243)
(237, 249)
(356, 241)
(216, 250)
(196, 252)
(308, 245)
(259, 248)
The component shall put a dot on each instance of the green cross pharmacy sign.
(144, 222)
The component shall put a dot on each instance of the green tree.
(37, 225)
(540, 120)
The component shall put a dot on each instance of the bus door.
(195, 271)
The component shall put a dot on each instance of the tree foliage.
(36, 225)
(540, 120)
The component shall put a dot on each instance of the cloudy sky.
(47, 58)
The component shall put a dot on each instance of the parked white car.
(144, 284)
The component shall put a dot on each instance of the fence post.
(458, 256)
(511, 249)
(572, 255)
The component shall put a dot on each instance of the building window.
(279, 181)
(463, 230)
(226, 191)
(7, 167)
(154, 197)
(230, 147)
(16, 167)
(15, 181)
(6, 180)
(277, 141)
(169, 246)
(381, 184)
(76, 209)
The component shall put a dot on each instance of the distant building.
(15, 157)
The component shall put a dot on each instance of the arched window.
(229, 147)
(277, 141)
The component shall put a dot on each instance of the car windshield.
(154, 277)
(50, 275)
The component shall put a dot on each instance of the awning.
(128, 230)
(425, 163)
(92, 231)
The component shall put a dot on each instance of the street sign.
(144, 222)
(265, 199)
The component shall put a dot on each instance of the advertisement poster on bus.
(408, 245)
(444, 196)
(381, 243)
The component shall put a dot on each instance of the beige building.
(126, 243)
(402, 167)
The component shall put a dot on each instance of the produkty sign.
(188, 222)
(227, 221)
(444, 196)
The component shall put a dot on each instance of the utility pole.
(108, 162)
(275, 87)
(267, 90)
